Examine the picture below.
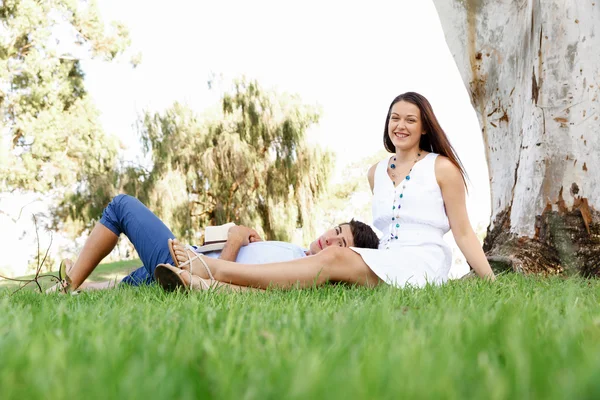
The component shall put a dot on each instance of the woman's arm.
(371, 176)
(452, 185)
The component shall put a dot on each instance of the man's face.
(340, 236)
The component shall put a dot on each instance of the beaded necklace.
(395, 224)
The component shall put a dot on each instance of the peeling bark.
(564, 241)
(532, 69)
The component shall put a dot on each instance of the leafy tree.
(250, 164)
(51, 139)
(351, 197)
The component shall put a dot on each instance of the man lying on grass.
(149, 235)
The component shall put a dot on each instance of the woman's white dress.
(419, 255)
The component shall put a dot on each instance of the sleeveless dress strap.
(430, 167)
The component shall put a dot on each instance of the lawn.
(518, 338)
(104, 272)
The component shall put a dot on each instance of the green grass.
(104, 272)
(518, 338)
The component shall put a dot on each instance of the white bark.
(532, 68)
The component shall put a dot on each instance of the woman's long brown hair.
(435, 139)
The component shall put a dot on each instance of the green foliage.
(249, 164)
(52, 142)
(350, 198)
(518, 338)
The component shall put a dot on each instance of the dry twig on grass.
(40, 264)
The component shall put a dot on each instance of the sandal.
(64, 280)
(190, 260)
(63, 277)
(169, 278)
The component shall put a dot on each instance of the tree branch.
(232, 191)
(203, 213)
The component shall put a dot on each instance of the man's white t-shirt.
(265, 252)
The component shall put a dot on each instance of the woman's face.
(405, 127)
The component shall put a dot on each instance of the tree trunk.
(532, 69)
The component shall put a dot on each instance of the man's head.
(348, 234)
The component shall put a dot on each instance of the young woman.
(418, 195)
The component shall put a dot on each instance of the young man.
(149, 235)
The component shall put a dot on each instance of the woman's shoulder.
(442, 161)
(373, 171)
(446, 170)
(373, 167)
(371, 175)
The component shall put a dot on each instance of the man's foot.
(91, 286)
(63, 285)
(189, 260)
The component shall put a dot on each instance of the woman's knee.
(346, 265)
(331, 256)
(337, 259)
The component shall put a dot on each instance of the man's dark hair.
(363, 235)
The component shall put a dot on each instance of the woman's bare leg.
(331, 264)
(196, 284)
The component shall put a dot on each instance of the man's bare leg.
(97, 246)
(331, 264)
